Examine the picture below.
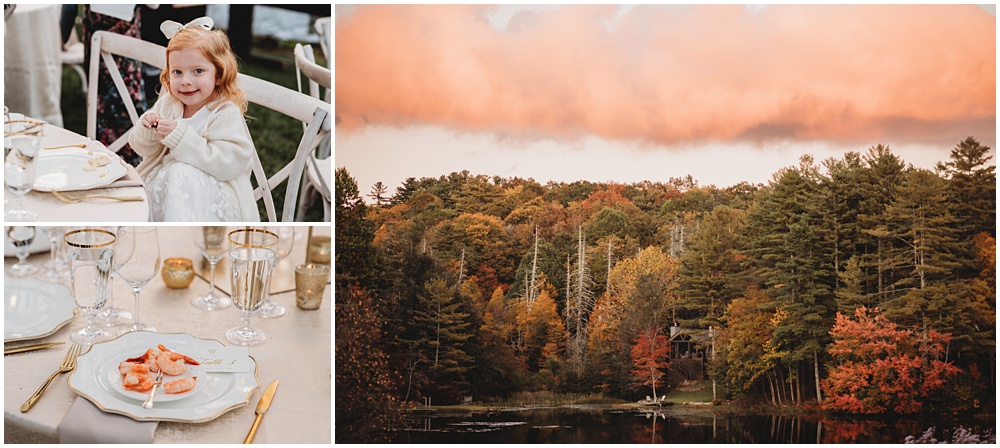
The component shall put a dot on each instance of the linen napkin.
(86, 423)
(130, 179)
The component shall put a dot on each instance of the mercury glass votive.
(319, 249)
(310, 283)
(177, 273)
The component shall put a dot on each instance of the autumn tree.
(881, 367)
(651, 358)
(365, 402)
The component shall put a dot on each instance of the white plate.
(70, 170)
(34, 309)
(217, 394)
(38, 245)
(114, 378)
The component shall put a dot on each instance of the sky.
(724, 93)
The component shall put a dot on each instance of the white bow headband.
(171, 28)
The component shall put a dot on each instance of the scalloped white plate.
(34, 309)
(217, 394)
(70, 170)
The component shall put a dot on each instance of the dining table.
(297, 352)
(59, 150)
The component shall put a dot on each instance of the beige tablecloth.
(32, 68)
(51, 209)
(297, 352)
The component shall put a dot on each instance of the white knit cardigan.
(223, 149)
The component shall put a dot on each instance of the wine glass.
(251, 253)
(141, 248)
(90, 253)
(21, 237)
(19, 173)
(57, 266)
(286, 239)
(211, 241)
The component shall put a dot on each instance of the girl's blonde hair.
(215, 46)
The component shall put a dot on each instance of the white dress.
(181, 192)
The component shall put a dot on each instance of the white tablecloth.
(51, 209)
(297, 352)
(32, 70)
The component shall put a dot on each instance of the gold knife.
(265, 402)
(28, 348)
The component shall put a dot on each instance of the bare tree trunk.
(819, 392)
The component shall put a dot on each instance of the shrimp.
(180, 386)
(168, 361)
(135, 376)
(148, 358)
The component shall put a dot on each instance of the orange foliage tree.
(650, 356)
(881, 367)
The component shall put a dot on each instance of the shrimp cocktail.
(251, 252)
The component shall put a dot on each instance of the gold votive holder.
(310, 283)
(319, 249)
(177, 273)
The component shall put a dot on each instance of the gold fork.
(68, 364)
(70, 200)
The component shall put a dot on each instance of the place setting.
(131, 369)
(70, 168)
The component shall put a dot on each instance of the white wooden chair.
(319, 169)
(72, 57)
(322, 27)
(301, 107)
(102, 46)
(281, 99)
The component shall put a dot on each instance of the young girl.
(196, 149)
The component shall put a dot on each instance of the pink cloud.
(674, 74)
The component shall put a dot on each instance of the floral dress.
(112, 117)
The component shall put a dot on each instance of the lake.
(601, 424)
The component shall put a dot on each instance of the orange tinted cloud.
(674, 74)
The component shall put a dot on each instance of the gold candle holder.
(319, 249)
(310, 283)
(178, 273)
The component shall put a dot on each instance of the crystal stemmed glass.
(19, 173)
(251, 253)
(21, 237)
(211, 241)
(286, 239)
(142, 244)
(112, 316)
(90, 253)
(57, 266)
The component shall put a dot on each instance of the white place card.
(222, 359)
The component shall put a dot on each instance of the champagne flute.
(21, 237)
(57, 266)
(251, 252)
(286, 239)
(211, 241)
(90, 253)
(112, 316)
(19, 173)
(142, 247)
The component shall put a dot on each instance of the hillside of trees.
(861, 284)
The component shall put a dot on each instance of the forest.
(856, 285)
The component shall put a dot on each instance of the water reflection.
(596, 424)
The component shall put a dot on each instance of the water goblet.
(21, 237)
(142, 246)
(286, 239)
(90, 253)
(251, 253)
(211, 241)
(19, 173)
(57, 266)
